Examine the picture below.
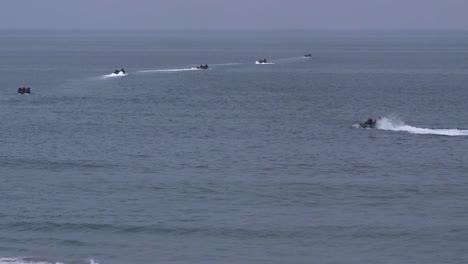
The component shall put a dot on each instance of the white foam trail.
(395, 124)
(292, 58)
(171, 70)
(264, 63)
(22, 261)
(113, 75)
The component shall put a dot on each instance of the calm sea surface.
(241, 163)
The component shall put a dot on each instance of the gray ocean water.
(241, 163)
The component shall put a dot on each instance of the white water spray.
(395, 124)
(113, 75)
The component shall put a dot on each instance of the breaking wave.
(395, 124)
(30, 260)
(171, 70)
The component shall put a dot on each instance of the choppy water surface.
(241, 163)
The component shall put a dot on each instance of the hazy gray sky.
(235, 14)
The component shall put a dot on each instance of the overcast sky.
(235, 14)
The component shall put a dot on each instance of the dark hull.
(366, 125)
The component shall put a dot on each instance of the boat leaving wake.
(395, 124)
(264, 63)
(171, 70)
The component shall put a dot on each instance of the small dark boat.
(24, 90)
(370, 123)
(203, 67)
(262, 61)
(308, 56)
(121, 71)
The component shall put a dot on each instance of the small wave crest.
(171, 70)
(395, 124)
(30, 260)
